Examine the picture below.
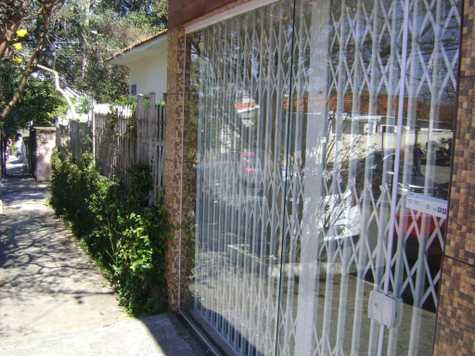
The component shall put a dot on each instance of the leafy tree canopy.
(39, 104)
(74, 37)
(88, 32)
(24, 26)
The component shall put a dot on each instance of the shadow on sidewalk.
(53, 298)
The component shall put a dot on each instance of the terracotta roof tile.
(138, 44)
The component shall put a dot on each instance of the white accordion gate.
(325, 132)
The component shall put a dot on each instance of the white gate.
(325, 133)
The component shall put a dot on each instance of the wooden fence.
(114, 136)
(122, 137)
(151, 138)
(80, 138)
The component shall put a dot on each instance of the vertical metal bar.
(232, 296)
(93, 117)
(335, 194)
(253, 329)
(413, 82)
(266, 117)
(363, 244)
(293, 175)
(258, 184)
(207, 169)
(200, 169)
(246, 90)
(225, 184)
(428, 186)
(394, 332)
(239, 337)
(356, 85)
(205, 254)
(400, 122)
(281, 136)
(214, 172)
(219, 100)
(375, 330)
(268, 316)
(317, 116)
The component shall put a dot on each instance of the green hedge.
(113, 221)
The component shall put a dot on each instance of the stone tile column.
(179, 171)
(455, 333)
(44, 144)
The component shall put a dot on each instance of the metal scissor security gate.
(325, 132)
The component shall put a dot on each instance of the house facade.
(147, 64)
(319, 156)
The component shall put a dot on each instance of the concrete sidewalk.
(53, 299)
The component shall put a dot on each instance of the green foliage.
(40, 103)
(104, 81)
(85, 105)
(125, 101)
(142, 21)
(88, 33)
(121, 232)
(72, 187)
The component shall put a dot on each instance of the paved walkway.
(54, 301)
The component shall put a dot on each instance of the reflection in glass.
(325, 134)
(373, 102)
(240, 77)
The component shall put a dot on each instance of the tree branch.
(45, 15)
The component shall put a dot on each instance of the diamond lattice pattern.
(324, 141)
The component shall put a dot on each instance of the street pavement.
(54, 300)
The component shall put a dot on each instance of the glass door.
(240, 77)
(372, 110)
(325, 132)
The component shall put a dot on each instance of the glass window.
(325, 133)
(133, 89)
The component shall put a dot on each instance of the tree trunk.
(46, 12)
(14, 13)
(6, 39)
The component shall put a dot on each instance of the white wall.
(147, 68)
(150, 74)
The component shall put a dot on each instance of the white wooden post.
(93, 117)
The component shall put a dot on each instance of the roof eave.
(138, 47)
